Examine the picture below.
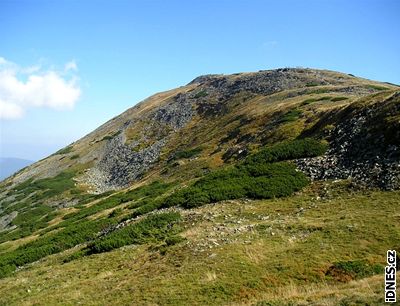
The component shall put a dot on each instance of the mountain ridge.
(226, 173)
(220, 87)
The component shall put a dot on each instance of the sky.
(66, 67)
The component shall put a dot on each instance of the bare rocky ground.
(368, 157)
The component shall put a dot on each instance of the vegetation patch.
(201, 94)
(109, 137)
(187, 153)
(65, 150)
(50, 244)
(324, 98)
(147, 206)
(151, 229)
(376, 87)
(152, 190)
(47, 187)
(345, 271)
(261, 176)
(75, 156)
(288, 150)
(336, 99)
(268, 181)
(290, 116)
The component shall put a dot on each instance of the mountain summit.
(152, 175)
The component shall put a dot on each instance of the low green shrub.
(324, 98)
(376, 87)
(260, 176)
(65, 150)
(146, 207)
(47, 187)
(51, 244)
(336, 99)
(152, 190)
(277, 180)
(150, 229)
(74, 256)
(290, 116)
(288, 150)
(28, 221)
(32, 215)
(115, 213)
(187, 153)
(109, 137)
(172, 240)
(354, 269)
(201, 94)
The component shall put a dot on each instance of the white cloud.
(10, 110)
(39, 88)
(71, 66)
(31, 69)
(270, 44)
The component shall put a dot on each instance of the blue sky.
(106, 56)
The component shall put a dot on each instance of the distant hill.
(10, 165)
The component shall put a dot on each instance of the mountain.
(9, 165)
(262, 188)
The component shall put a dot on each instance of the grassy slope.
(272, 250)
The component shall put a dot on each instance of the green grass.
(290, 116)
(345, 228)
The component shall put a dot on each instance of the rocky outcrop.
(175, 114)
(122, 163)
(361, 149)
(5, 221)
(265, 82)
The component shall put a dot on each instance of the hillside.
(265, 188)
